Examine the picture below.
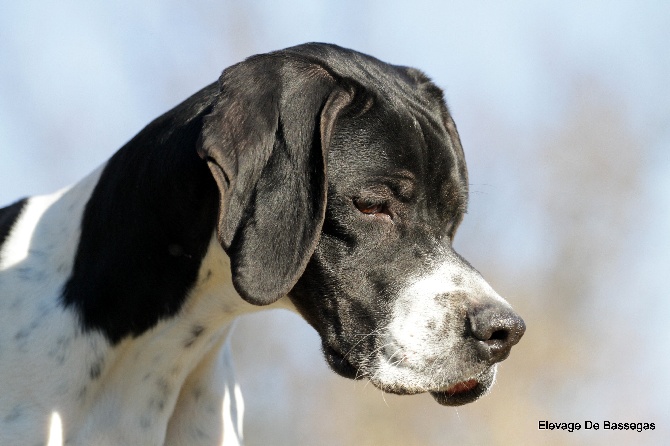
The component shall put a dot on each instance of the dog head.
(342, 184)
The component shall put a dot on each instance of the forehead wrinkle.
(446, 166)
(433, 136)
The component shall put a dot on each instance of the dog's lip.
(464, 392)
(459, 394)
(462, 387)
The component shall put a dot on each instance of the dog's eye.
(371, 207)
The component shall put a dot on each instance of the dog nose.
(496, 329)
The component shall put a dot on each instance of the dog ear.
(266, 143)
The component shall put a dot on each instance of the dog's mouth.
(467, 391)
(458, 394)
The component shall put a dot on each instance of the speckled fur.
(176, 378)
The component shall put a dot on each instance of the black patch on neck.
(8, 216)
(146, 227)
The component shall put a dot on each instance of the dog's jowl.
(316, 179)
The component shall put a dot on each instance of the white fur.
(422, 339)
(151, 390)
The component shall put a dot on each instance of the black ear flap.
(266, 142)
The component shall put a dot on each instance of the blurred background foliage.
(564, 113)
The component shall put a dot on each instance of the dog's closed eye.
(373, 207)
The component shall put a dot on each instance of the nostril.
(496, 331)
(499, 335)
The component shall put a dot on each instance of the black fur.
(266, 142)
(325, 174)
(146, 226)
(8, 216)
(403, 154)
(264, 131)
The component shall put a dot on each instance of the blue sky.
(112, 62)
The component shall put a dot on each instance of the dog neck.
(129, 293)
(148, 381)
(179, 367)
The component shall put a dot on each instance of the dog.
(314, 178)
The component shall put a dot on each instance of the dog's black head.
(342, 183)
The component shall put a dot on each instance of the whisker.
(364, 335)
